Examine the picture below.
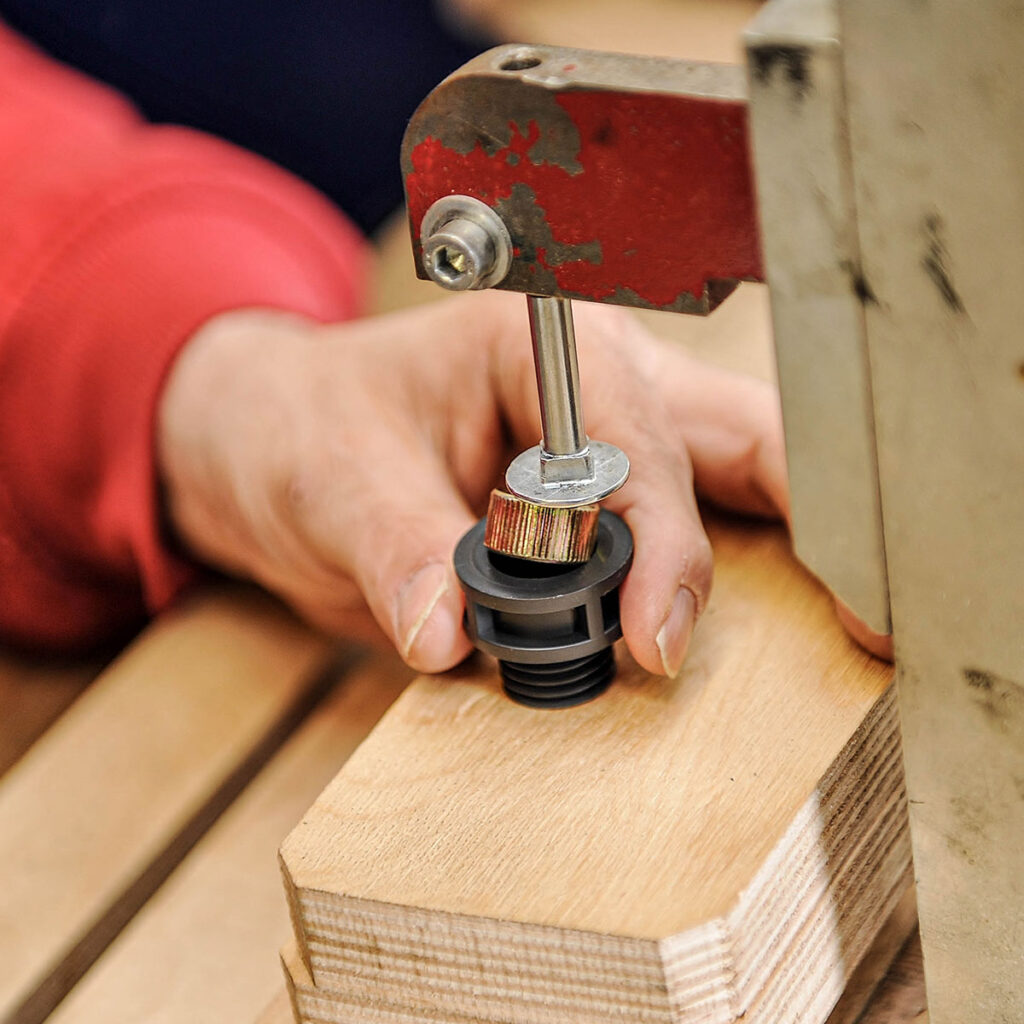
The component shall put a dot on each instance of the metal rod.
(558, 379)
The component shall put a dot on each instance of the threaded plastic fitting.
(551, 626)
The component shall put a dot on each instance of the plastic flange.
(551, 626)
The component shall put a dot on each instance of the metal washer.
(611, 470)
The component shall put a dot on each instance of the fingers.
(393, 531)
(374, 435)
(669, 583)
(878, 644)
(657, 404)
(732, 426)
(668, 586)
(338, 490)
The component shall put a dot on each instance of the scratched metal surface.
(582, 156)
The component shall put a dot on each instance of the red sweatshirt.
(118, 239)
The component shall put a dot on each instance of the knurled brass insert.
(540, 533)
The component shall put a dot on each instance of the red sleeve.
(118, 239)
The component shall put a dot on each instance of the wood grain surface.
(205, 947)
(886, 988)
(890, 943)
(728, 842)
(101, 808)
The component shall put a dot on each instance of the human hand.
(339, 463)
(879, 644)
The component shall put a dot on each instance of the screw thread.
(560, 684)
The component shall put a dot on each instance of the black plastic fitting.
(551, 626)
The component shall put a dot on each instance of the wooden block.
(877, 962)
(305, 1001)
(100, 809)
(204, 948)
(277, 1011)
(891, 998)
(726, 844)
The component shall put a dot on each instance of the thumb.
(394, 532)
(428, 618)
(401, 560)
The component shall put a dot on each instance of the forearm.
(120, 240)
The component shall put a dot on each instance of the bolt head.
(465, 244)
(458, 256)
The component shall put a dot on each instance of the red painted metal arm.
(621, 179)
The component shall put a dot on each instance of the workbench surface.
(188, 760)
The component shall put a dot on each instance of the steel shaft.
(558, 379)
(566, 469)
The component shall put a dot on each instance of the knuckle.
(698, 571)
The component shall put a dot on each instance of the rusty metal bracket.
(620, 179)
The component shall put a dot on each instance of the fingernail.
(417, 603)
(674, 636)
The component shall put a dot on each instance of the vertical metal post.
(558, 379)
(937, 142)
(566, 469)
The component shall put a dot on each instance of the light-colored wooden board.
(205, 947)
(98, 811)
(894, 997)
(34, 690)
(277, 1011)
(728, 842)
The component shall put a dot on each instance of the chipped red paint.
(663, 184)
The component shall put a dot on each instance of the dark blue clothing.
(322, 87)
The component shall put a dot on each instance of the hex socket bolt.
(459, 254)
(465, 244)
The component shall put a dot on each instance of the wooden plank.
(694, 850)
(34, 690)
(204, 948)
(277, 1011)
(100, 809)
(937, 137)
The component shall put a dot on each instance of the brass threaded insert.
(540, 533)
